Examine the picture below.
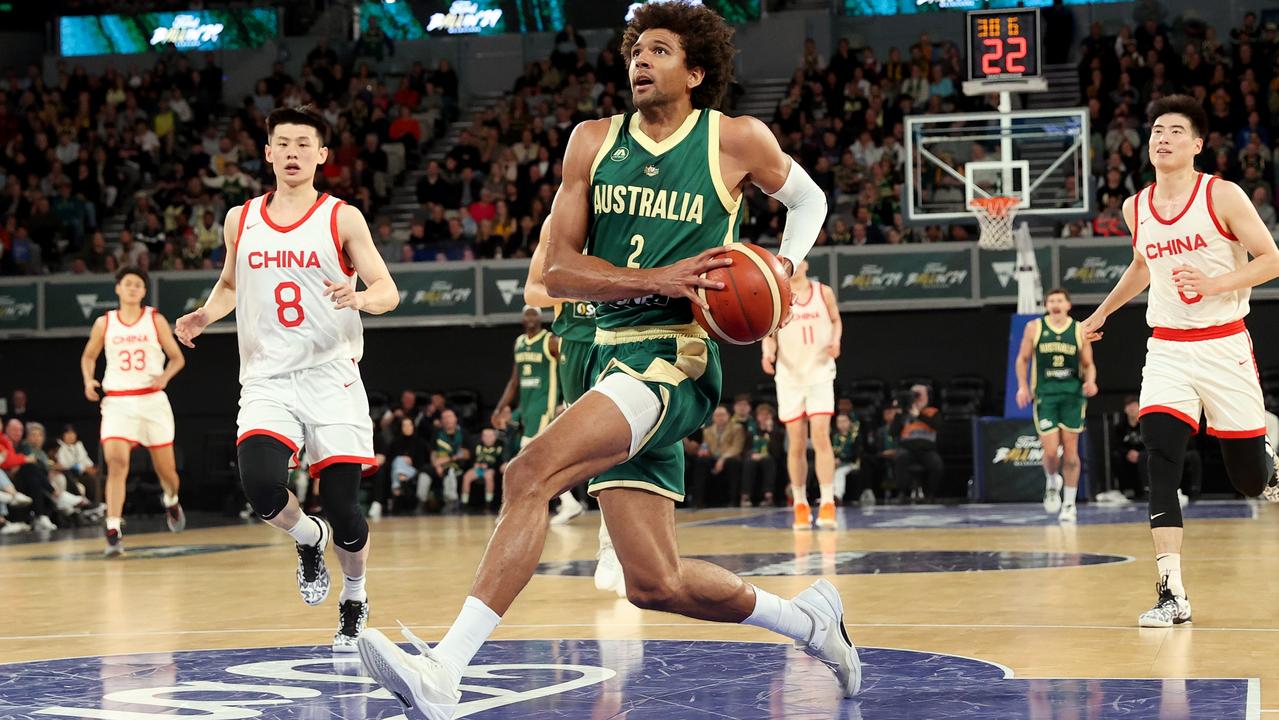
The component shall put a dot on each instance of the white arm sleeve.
(805, 213)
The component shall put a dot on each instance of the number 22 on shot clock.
(1003, 44)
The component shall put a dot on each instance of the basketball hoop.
(995, 215)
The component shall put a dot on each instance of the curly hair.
(706, 39)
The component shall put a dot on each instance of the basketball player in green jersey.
(535, 378)
(652, 197)
(575, 327)
(1062, 375)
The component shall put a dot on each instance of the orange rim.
(997, 206)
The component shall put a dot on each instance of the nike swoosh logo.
(349, 384)
(1243, 362)
(1152, 517)
(348, 543)
(250, 227)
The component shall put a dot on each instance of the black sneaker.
(115, 545)
(313, 575)
(352, 616)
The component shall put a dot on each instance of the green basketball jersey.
(1056, 359)
(539, 381)
(574, 321)
(490, 455)
(656, 203)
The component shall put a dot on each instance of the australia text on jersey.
(647, 202)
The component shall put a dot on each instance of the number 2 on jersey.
(637, 242)
(281, 305)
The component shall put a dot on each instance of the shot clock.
(1003, 45)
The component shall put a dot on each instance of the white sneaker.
(20, 500)
(43, 524)
(569, 509)
(1182, 499)
(829, 642)
(1169, 610)
(67, 502)
(868, 498)
(313, 574)
(13, 528)
(1052, 496)
(1271, 491)
(1068, 515)
(427, 687)
(6, 498)
(353, 615)
(608, 573)
(375, 511)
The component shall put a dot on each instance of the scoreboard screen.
(1003, 44)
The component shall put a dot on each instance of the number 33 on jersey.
(283, 319)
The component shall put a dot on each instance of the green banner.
(77, 304)
(504, 288)
(18, 306)
(181, 295)
(877, 276)
(436, 293)
(1092, 270)
(1008, 461)
(998, 271)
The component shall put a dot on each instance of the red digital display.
(1003, 43)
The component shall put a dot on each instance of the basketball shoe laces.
(1166, 607)
(351, 611)
(310, 557)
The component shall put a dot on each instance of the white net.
(995, 215)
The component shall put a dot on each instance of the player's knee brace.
(1165, 438)
(1247, 463)
(339, 491)
(264, 474)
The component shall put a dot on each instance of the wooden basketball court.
(965, 602)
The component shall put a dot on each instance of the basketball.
(755, 299)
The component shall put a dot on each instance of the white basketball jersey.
(1194, 237)
(133, 353)
(285, 322)
(801, 345)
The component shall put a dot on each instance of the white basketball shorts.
(323, 410)
(1212, 369)
(143, 419)
(796, 402)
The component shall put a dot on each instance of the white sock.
(352, 589)
(170, 500)
(1068, 494)
(466, 498)
(1170, 572)
(469, 631)
(606, 542)
(488, 497)
(828, 494)
(567, 500)
(800, 496)
(779, 615)
(113, 523)
(307, 531)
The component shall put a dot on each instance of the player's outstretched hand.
(683, 279)
(344, 295)
(1023, 397)
(91, 390)
(1090, 389)
(1092, 327)
(189, 327)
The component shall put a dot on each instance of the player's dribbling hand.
(1090, 389)
(1023, 397)
(683, 279)
(1190, 279)
(189, 326)
(1091, 327)
(344, 295)
(766, 361)
(91, 390)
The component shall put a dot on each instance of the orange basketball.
(755, 299)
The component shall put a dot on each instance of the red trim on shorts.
(268, 433)
(1195, 334)
(283, 229)
(800, 416)
(1213, 214)
(1199, 180)
(1194, 424)
(127, 393)
(1253, 354)
(337, 241)
(161, 445)
(131, 441)
(239, 231)
(1236, 434)
(316, 467)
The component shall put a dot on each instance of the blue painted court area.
(869, 563)
(637, 680)
(1001, 515)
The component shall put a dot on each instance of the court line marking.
(551, 626)
(1252, 709)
